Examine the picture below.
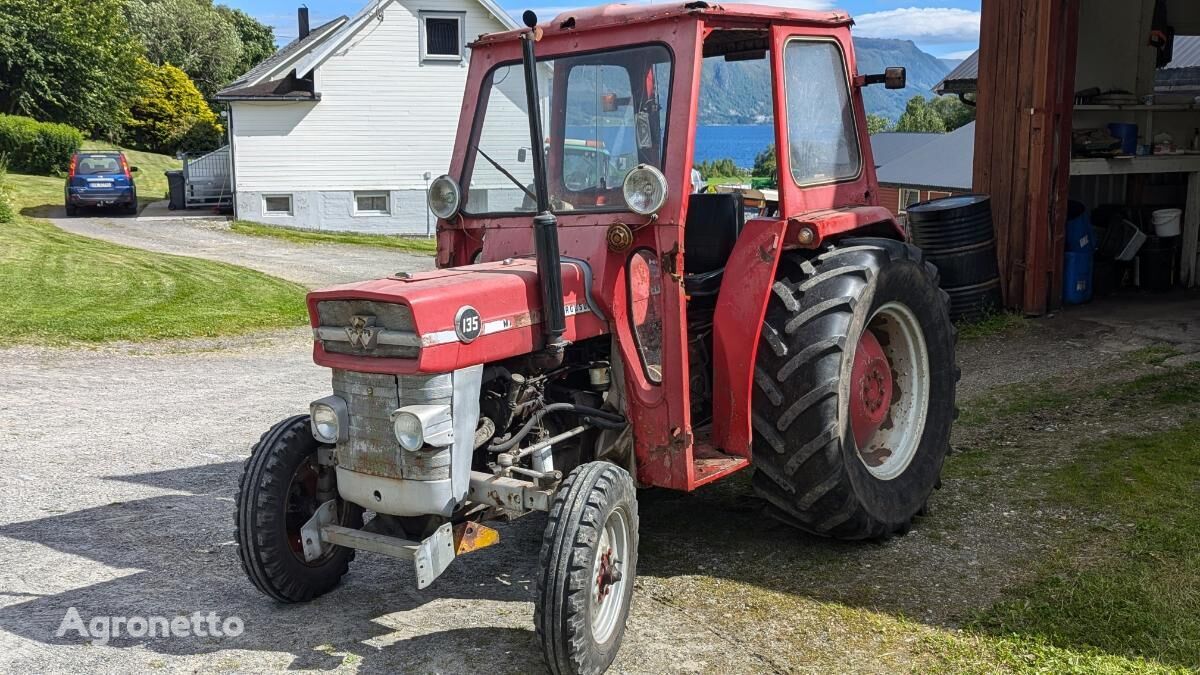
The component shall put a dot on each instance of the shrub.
(169, 111)
(34, 147)
(6, 208)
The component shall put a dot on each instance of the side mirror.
(522, 155)
(895, 77)
(608, 103)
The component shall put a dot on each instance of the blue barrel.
(1128, 135)
(1077, 277)
(1080, 235)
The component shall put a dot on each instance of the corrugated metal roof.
(962, 78)
(890, 145)
(945, 162)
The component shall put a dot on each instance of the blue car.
(101, 179)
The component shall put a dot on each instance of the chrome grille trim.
(397, 333)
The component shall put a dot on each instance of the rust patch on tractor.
(471, 536)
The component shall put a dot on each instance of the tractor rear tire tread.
(799, 457)
(262, 492)
(573, 528)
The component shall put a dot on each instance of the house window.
(443, 36)
(277, 205)
(371, 204)
(908, 198)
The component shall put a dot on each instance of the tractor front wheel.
(587, 565)
(282, 486)
(855, 385)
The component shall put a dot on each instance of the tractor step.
(710, 464)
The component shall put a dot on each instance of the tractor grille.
(371, 447)
(396, 335)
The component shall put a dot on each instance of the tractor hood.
(440, 321)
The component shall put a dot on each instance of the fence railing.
(207, 180)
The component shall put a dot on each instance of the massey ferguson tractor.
(595, 327)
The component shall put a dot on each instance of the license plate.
(100, 185)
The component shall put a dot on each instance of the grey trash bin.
(175, 188)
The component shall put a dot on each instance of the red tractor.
(594, 327)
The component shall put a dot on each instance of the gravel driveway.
(313, 265)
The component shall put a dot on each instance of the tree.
(954, 113)
(190, 35)
(258, 40)
(765, 163)
(169, 111)
(878, 124)
(920, 115)
(66, 61)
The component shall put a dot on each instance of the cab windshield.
(602, 113)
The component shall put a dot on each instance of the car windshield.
(97, 164)
(602, 113)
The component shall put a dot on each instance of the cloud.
(929, 25)
(960, 55)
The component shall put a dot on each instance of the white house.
(341, 129)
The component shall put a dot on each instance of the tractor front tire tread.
(576, 519)
(262, 494)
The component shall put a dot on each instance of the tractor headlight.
(645, 189)
(444, 197)
(416, 426)
(329, 419)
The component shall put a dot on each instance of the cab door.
(818, 118)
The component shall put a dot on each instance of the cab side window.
(821, 134)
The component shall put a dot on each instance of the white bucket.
(1166, 222)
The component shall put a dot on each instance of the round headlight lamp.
(645, 189)
(444, 197)
(410, 433)
(325, 423)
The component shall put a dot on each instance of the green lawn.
(58, 288)
(403, 243)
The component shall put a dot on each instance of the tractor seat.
(714, 222)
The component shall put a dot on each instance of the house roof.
(944, 162)
(889, 145)
(301, 56)
(250, 83)
(1182, 72)
(962, 79)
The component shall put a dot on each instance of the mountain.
(740, 92)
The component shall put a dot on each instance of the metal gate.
(206, 179)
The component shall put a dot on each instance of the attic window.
(443, 36)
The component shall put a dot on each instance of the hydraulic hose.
(593, 416)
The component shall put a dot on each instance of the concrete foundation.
(334, 210)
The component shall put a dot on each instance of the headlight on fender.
(416, 426)
(645, 189)
(445, 197)
(329, 419)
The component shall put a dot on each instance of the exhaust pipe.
(545, 225)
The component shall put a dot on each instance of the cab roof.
(609, 16)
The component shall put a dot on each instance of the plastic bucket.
(1167, 222)
(1128, 135)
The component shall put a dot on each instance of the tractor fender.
(742, 304)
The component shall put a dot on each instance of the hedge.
(40, 148)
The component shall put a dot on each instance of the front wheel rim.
(888, 438)
(610, 576)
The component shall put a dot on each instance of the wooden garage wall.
(1023, 140)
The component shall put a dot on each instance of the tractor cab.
(596, 326)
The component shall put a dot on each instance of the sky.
(945, 28)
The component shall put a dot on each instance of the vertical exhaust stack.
(545, 224)
(302, 21)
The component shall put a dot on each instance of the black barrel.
(957, 236)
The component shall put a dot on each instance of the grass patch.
(992, 325)
(57, 287)
(422, 245)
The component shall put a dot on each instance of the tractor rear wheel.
(855, 384)
(282, 486)
(586, 569)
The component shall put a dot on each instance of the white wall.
(384, 119)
